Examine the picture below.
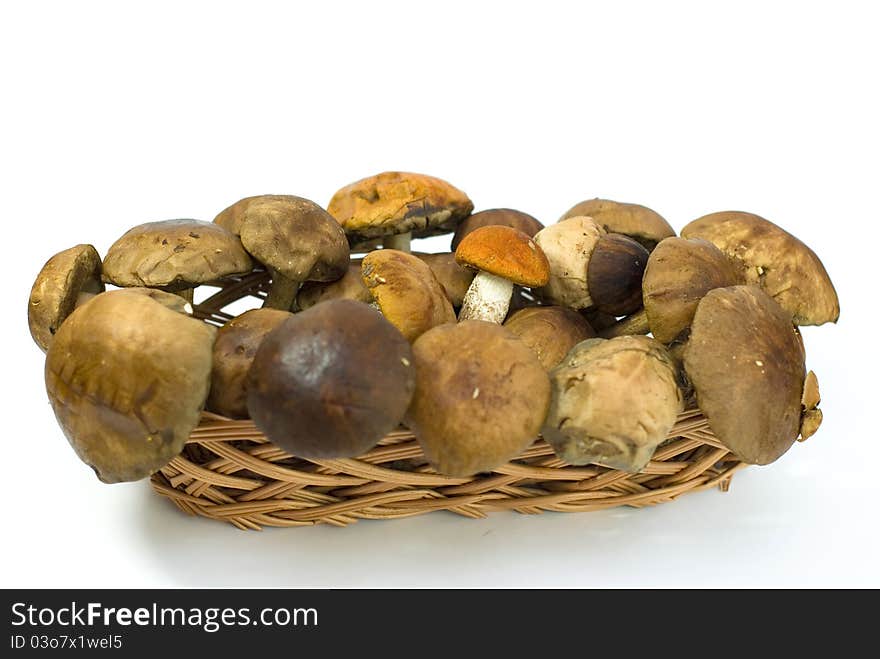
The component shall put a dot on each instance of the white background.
(114, 115)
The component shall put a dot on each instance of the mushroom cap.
(614, 401)
(234, 349)
(680, 272)
(175, 254)
(331, 381)
(399, 202)
(504, 252)
(568, 245)
(455, 278)
(349, 287)
(638, 222)
(497, 216)
(550, 331)
(614, 274)
(481, 396)
(127, 378)
(775, 260)
(231, 216)
(53, 296)
(745, 360)
(407, 292)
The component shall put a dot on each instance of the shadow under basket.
(229, 471)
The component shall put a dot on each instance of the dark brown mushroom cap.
(638, 222)
(770, 257)
(497, 216)
(745, 360)
(350, 287)
(680, 272)
(175, 254)
(550, 331)
(127, 378)
(455, 278)
(57, 287)
(481, 396)
(234, 349)
(614, 274)
(399, 202)
(406, 291)
(504, 252)
(331, 381)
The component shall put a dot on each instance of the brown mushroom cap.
(127, 378)
(680, 272)
(407, 292)
(783, 266)
(497, 216)
(568, 245)
(504, 252)
(168, 300)
(56, 289)
(614, 401)
(230, 218)
(481, 396)
(549, 331)
(638, 222)
(455, 278)
(350, 287)
(745, 360)
(174, 254)
(399, 202)
(234, 349)
(331, 381)
(614, 274)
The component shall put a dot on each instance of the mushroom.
(503, 257)
(679, 273)
(614, 401)
(294, 238)
(350, 287)
(480, 399)
(638, 222)
(234, 349)
(783, 266)
(455, 278)
(811, 415)
(127, 378)
(550, 331)
(67, 279)
(406, 291)
(175, 255)
(396, 206)
(331, 381)
(614, 274)
(745, 360)
(497, 217)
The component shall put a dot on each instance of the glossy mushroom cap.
(406, 291)
(770, 257)
(58, 286)
(680, 272)
(568, 245)
(550, 331)
(497, 216)
(455, 278)
(331, 381)
(234, 349)
(745, 361)
(638, 222)
(350, 287)
(174, 254)
(614, 274)
(127, 378)
(481, 396)
(504, 252)
(614, 401)
(398, 202)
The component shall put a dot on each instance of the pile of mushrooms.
(594, 331)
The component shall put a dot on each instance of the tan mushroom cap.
(568, 246)
(745, 360)
(406, 291)
(481, 396)
(455, 278)
(679, 273)
(504, 252)
(175, 254)
(58, 285)
(127, 378)
(399, 202)
(507, 217)
(811, 415)
(350, 287)
(614, 401)
(638, 222)
(550, 331)
(783, 266)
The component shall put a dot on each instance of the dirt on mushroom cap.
(504, 252)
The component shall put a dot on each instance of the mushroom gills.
(488, 298)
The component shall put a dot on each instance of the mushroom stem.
(637, 323)
(186, 294)
(282, 292)
(487, 298)
(83, 297)
(400, 242)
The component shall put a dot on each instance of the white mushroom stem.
(487, 298)
(400, 242)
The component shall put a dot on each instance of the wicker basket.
(229, 471)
